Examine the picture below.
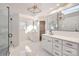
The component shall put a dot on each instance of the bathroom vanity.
(64, 26)
(61, 43)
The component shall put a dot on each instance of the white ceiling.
(21, 8)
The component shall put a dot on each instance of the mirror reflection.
(65, 20)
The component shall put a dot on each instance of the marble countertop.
(64, 37)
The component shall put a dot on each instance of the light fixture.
(58, 4)
(61, 8)
(34, 9)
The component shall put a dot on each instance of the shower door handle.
(10, 35)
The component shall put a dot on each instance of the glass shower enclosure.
(4, 31)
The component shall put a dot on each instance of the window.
(71, 10)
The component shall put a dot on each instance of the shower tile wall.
(3, 31)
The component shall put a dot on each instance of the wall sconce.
(60, 16)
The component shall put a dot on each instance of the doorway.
(42, 29)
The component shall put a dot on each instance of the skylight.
(71, 10)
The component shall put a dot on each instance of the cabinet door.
(49, 44)
(43, 42)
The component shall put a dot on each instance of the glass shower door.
(4, 40)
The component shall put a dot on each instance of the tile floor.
(28, 48)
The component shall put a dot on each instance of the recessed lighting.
(58, 4)
(50, 8)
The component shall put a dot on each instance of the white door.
(43, 42)
(49, 48)
(47, 43)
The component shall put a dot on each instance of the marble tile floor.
(28, 48)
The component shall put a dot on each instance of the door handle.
(10, 35)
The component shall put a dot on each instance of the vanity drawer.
(56, 40)
(69, 51)
(70, 44)
(57, 46)
(57, 53)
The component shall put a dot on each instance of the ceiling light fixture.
(34, 9)
(58, 4)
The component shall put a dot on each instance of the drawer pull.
(69, 51)
(69, 44)
(56, 53)
(57, 46)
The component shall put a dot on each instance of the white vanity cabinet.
(60, 47)
(57, 47)
(47, 43)
(44, 42)
(70, 48)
